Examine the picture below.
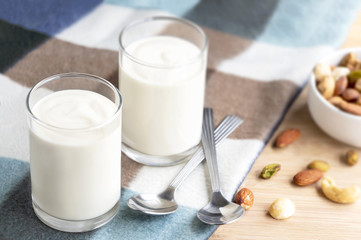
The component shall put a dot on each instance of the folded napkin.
(260, 55)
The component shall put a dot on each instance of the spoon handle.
(209, 148)
(225, 128)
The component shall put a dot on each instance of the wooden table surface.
(316, 217)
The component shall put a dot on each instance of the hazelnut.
(245, 198)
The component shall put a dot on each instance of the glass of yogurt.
(162, 70)
(75, 149)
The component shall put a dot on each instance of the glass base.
(157, 161)
(75, 225)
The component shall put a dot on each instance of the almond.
(287, 137)
(350, 94)
(346, 106)
(341, 85)
(307, 177)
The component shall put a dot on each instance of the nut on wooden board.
(307, 177)
(287, 137)
(340, 195)
(282, 208)
(245, 198)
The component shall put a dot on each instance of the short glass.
(75, 168)
(162, 72)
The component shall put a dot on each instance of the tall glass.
(75, 148)
(162, 69)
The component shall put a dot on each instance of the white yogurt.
(163, 98)
(75, 167)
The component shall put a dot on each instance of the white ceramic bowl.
(340, 125)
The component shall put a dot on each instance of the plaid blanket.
(260, 55)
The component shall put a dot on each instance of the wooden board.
(315, 217)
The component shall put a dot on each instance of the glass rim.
(168, 18)
(72, 75)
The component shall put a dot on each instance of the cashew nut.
(339, 195)
(326, 86)
(321, 70)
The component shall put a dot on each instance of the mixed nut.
(270, 170)
(351, 157)
(320, 165)
(337, 194)
(287, 137)
(283, 208)
(341, 85)
(307, 177)
(245, 198)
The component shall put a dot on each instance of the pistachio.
(270, 170)
(320, 165)
(351, 157)
(353, 76)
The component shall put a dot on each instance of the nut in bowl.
(325, 106)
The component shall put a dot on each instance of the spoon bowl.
(220, 211)
(155, 204)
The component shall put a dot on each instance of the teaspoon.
(219, 210)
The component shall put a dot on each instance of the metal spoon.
(164, 202)
(219, 210)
